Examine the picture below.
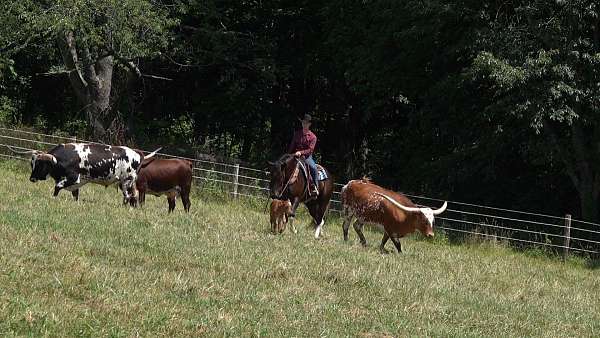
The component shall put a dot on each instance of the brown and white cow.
(169, 177)
(280, 212)
(398, 215)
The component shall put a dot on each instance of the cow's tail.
(343, 192)
(343, 198)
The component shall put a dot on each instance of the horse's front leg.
(315, 210)
(295, 204)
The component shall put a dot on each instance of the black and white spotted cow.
(73, 165)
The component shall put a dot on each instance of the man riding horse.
(303, 144)
(289, 180)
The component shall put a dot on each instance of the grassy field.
(96, 268)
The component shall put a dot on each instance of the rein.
(289, 179)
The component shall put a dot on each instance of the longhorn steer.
(169, 177)
(73, 165)
(398, 215)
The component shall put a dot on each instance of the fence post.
(236, 173)
(567, 235)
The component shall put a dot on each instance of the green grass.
(96, 268)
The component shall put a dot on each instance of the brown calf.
(169, 177)
(280, 211)
(398, 215)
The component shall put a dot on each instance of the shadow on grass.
(593, 263)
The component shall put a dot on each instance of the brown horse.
(288, 182)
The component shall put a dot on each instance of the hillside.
(96, 268)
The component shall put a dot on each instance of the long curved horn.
(152, 153)
(27, 152)
(440, 210)
(398, 204)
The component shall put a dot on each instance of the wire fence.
(559, 234)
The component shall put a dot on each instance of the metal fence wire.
(461, 220)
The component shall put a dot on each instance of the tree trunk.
(247, 141)
(281, 132)
(353, 144)
(597, 35)
(91, 81)
(588, 185)
(131, 90)
(588, 196)
(93, 111)
(578, 160)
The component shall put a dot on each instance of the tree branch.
(136, 70)
(14, 47)
(66, 45)
(184, 65)
(60, 72)
(157, 77)
(89, 71)
(133, 67)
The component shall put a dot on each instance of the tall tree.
(93, 37)
(541, 63)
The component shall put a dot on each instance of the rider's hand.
(297, 154)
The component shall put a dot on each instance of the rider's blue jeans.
(313, 170)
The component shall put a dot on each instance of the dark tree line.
(493, 102)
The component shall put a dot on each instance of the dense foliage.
(485, 102)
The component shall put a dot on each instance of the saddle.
(321, 174)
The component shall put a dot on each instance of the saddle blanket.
(321, 173)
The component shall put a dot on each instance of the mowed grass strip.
(97, 268)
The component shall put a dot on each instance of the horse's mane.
(285, 157)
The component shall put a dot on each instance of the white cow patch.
(78, 184)
(61, 183)
(127, 178)
(428, 214)
(83, 154)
